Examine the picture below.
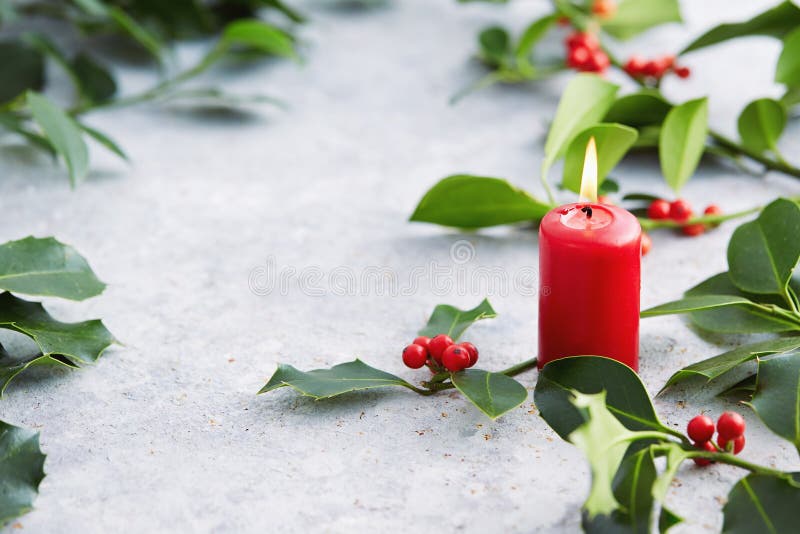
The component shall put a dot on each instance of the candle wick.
(588, 211)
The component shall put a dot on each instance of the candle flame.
(589, 176)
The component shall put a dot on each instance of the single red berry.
(604, 8)
(582, 39)
(730, 426)
(437, 346)
(652, 68)
(579, 57)
(693, 229)
(647, 243)
(658, 209)
(700, 428)
(635, 66)
(415, 356)
(598, 62)
(683, 72)
(455, 358)
(422, 341)
(737, 444)
(707, 446)
(472, 350)
(680, 210)
(712, 209)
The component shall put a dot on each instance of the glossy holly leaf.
(63, 133)
(11, 367)
(449, 320)
(761, 124)
(775, 22)
(21, 69)
(717, 366)
(327, 383)
(787, 71)
(493, 393)
(645, 108)
(777, 396)
(495, 45)
(762, 503)
(633, 17)
(527, 41)
(46, 267)
(612, 140)
(21, 470)
(763, 253)
(492, 202)
(626, 396)
(697, 303)
(258, 35)
(682, 141)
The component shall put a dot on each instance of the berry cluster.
(730, 434)
(585, 54)
(680, 211)
(440, 352)
(655, 69)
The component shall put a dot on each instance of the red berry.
(415, 356)
(730, 426)
(683, 72)
(708, 446)
(700, 428)
(579, 57)
(647, 243)
(422, 341)
(437, 346)
(680, 210)
(598, 62)
(712, 209)
(652, 68)
(604, 8)
(737, 444)
(635, 66)
(472, 350)
(693, 229)
(658, 209)
(455, 358)
(582, 39)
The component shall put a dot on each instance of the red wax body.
(589, 281)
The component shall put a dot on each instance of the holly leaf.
(787, 71)
(763, 253)
(645, 108)
(493, 393)
(327, 383)
(762, 503)
(21, 470)
(682, 141)
(633, 17)
(697, 303)
(613, 142)
(777, 396)
(775, 22)
(626, 396)
(46, 267)
(452, 321)
(717, 366)
(491, 202)
(761, 124)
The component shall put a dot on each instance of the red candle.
(589, 271)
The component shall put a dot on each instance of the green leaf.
(586, 99)
(14, 124)
(491, 202)
(787, 71)
(777, 396)
(46, 267)
(258, 35)
(449, 320)
(289, 12)
(632, 17)
(761, 124)
(613, 142)
(96, 83)
(775, 22)
(527, 41)
(327, 383)
(135, 31)
(762, 503)
(21, 470)
(645, 108)
(104, 140)
(10, 367)
(626, 396)
(493, 393)
(495, 45)
(682, 141)
(63, 133)
(717, 366)
(695, 303)
(21, 69)
(763, 253)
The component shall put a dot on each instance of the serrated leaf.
(761, 124)
(11, 368)
(21, 69)
(787, 71)
(21, 470)
(777, 396)
(63, 133)
(645, 108)
(763, 253)
(491, 202)
(762, 503)
(493, 393)
(452, 321)
(612, 140)
(633, 17)
(46, 267)
(258, 35)
(327, 383)
(626, 396)
(682, 141)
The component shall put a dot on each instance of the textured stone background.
(166, 433)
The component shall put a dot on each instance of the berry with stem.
(658, 210)
(735, 445)
(700, 428)
(730, 426)
(706, 446)
(438, 345)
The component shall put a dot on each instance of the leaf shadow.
(214, 115)
(289, 402)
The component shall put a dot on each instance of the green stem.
(649, 224)
(730, 459)
(438, 381)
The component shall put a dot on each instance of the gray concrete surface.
(166, 434)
